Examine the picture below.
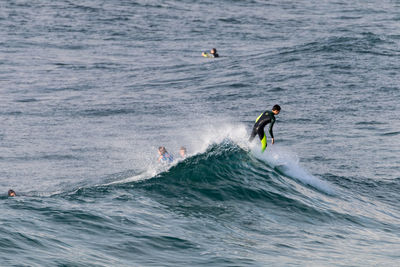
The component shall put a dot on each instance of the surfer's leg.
(263, 139)
(263, 143)
(253, 134)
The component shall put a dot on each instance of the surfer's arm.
(271, 133)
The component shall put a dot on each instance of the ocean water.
(90, 89)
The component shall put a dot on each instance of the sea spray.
(287, 163)
(215, 134)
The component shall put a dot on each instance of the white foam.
(217, 134)
(288, 163)
(198, 140)
(205, 136)
(142, 176)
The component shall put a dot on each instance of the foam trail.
(288, 163)
(142, 176)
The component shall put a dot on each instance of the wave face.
(228, 173)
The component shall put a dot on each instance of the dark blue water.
(90, 89)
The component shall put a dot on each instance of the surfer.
(11, 193)
(262, 120)
(213, 53)
(164, 155)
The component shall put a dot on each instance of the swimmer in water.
(164, 155)
(261, 122)
(182, 152)
(213, 53)
(11, 193)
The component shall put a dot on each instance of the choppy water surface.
(90, 89)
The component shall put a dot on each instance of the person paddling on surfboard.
(213, 53)
(262, 120)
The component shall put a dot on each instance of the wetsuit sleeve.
(270, 128)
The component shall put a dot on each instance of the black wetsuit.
(262, 120)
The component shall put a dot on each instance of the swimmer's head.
(11, 193)
(182, 151)
(213, 51)
(161, 150)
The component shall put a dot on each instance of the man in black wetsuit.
(262, 120)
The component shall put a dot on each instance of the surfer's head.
(276, 109)
(213, 51)
(11, 193)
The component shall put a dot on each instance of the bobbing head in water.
(11, 193)
(182, 152)
(214, 52)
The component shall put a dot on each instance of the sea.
(90, 89)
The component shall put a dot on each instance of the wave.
(287, 164)
(225, 173)
(230, 177)
(228, 164)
